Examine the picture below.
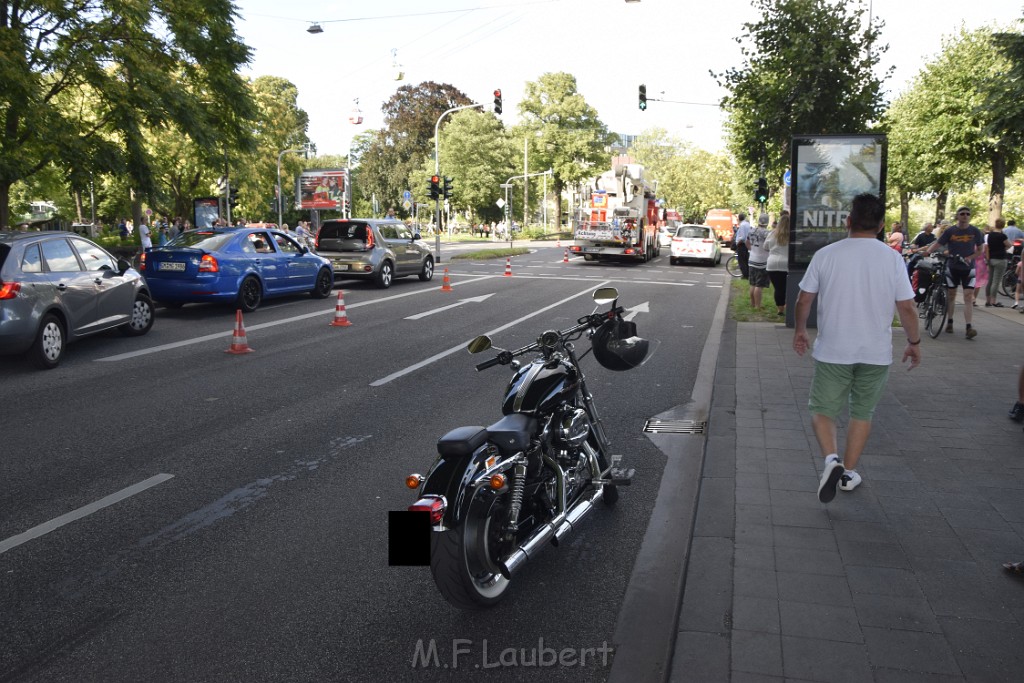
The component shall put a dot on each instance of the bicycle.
(732, 266)
(1008, 285)
(935, 305)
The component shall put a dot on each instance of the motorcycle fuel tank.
(540, 386)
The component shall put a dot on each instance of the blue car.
(234, 265)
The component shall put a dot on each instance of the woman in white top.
(777, 245)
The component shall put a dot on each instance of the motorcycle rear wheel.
(464, 560)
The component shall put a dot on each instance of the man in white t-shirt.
(859, 283)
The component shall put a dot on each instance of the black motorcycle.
(497, 495)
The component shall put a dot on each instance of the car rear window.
(348, 230)
(699, 233)
(344, 236)
(201, 239)
(5, 249)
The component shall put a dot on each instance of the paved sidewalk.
(899, 580)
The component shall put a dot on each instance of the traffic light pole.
(437, 171)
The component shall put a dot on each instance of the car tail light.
(9, 290)
(433, 504)
(142, 261)
(369, 239)
(208, 264)
(575, 248)
(629, 251)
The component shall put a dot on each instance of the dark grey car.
(380, 250)
(56, 287)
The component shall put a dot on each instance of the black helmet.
(616, 346)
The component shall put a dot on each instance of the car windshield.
(693, 232)
(201, 239)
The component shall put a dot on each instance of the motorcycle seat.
(462, 441)
(511, 434)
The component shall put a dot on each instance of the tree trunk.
(78, 205)
(905, 212)
(995, 198)
(940, 206)
(559, 185)
(136, 209)
(5, 204)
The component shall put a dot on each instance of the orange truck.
(722, 222)
(621, 218)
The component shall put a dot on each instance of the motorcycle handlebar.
(587, 321)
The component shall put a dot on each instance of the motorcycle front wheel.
(464, 560)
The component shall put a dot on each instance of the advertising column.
(828, 171)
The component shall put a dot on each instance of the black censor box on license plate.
(408, 538)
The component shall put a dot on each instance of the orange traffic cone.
(508, 267)
(238, 342)
(340, 319)
(565, 259)
(446, 285)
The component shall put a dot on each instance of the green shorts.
(859, 385)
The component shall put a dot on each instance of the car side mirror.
(416, 237)
(123, 265)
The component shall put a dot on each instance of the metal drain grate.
(675, 427)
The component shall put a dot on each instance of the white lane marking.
(283, 321)
(645, 307)
(85, 510)
(475, 300)
(462, 346)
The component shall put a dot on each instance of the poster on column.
(321, 189)
(828, 172)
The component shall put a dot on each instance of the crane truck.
(620, 220)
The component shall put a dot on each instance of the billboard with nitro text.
(828, 172)
(321, 189)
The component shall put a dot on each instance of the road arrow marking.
(639, 308)
(475, 300)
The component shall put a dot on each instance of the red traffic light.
(435, 179)
(497, 93)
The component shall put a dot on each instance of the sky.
(610, 46)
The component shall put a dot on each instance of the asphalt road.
(260, 553)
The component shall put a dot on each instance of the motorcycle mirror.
(479, 344)
(606, 295)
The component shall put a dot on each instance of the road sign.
(407, 195)
(407, 205)
(787, 178)
(500, 202)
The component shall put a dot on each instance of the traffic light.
(233, 197)
(643, 97)
(497, 101)
(433, 188)
(761, 196)
(447, 187)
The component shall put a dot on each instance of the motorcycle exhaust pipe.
(548, 532)
(577, 514)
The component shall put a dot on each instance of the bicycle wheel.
(1008, 284)
(936, 316)
(732, 266)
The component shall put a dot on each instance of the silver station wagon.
(380, 250)
(56, 287)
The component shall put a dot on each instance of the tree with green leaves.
(392, 161)
(808, 68)
(572, 141)
(143, 66)
(479, 155)
(959, 120)
(689, 179)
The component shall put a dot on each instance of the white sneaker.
(830, 478)
(850, 480)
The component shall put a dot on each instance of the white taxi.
(695, 242)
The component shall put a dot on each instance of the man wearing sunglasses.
(964, 242)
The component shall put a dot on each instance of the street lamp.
(280, 219)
